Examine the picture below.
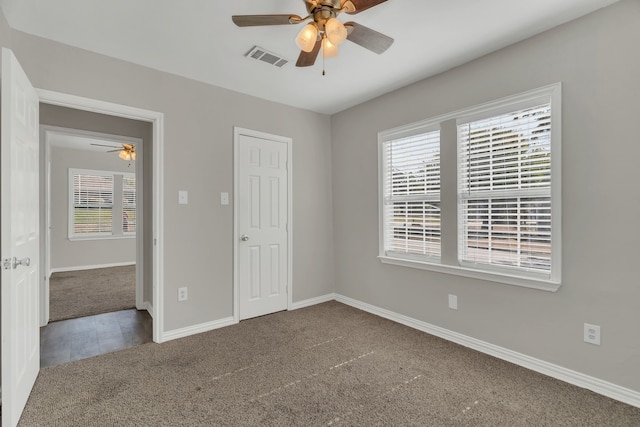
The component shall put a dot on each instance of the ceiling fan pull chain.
(323, 72)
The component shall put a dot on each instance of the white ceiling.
(196, 39)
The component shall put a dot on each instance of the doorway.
(262, 224)
(91, 218)
(149, 247)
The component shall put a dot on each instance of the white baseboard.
(146, 306)
(229, 321)
(90, 267)
(312, 301)
(196, 329)
(596, 385)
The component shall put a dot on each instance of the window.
(129, 204)
(92, 204)
(504, 190)
(411, 191)
(477, 192)
(102, 204)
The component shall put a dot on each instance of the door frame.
(157, 217)
(237, 132)
(45, 137)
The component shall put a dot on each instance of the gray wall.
(69, 254)
(198, 157)
(596, 58)
(5, 32)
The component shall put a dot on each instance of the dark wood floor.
(75, 339)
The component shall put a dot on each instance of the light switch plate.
(224, 198)
(183, 197)
(453, 302)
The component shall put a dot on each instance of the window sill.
(526, 282)
(94, 237)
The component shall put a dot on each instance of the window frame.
(116, 207)
(449, 261)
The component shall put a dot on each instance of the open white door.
(20, 240)
(262, 217)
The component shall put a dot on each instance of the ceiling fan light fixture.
(124, 155)
(307, 37)
(329, 50)
(335, 31)
(127, 154)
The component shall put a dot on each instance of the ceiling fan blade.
(105, 145)
(362, 5)
(368, 38)
(258, 20)
(307, 59)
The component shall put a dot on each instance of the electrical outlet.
(592, 334)
(453, 302)
(182, 294)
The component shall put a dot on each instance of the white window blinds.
(504, 194)
(129, 204)
(92, 204)
(411, 191)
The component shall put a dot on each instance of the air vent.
(265, 56)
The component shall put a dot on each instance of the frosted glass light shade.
(307, 37)
(329, 50)
(336, 32)
(127, 155)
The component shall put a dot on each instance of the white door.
(20, 243)
(262, 243)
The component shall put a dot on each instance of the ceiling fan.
(325, 31)
(126, 151)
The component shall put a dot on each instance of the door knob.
(244, 237)
(24, 261)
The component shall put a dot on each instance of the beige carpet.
(87, 292)
(326, 365)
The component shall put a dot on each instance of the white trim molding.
(91, 267)
(197, 329)
(605, 388)
(146, 305)
(312, 301)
